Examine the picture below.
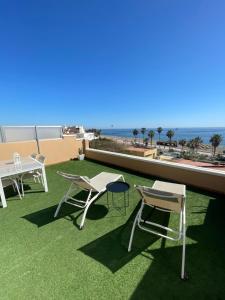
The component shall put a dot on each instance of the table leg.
(44, 179)
(128, 199)
(2, 194)
(113, 200)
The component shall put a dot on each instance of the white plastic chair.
(33, 155)
(35, 175)
(8, 181)
(164, 196)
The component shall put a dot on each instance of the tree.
(191, 144)
(135, 134)
(151, 135)
(182, 143)
(145, 141)
(194, 144)
(143, 130)
(170, 133)
(198, 141)
(97, 132)
(215, 141)
(159, 130)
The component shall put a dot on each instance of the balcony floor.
(46, 258)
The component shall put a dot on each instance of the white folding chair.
(35, 175)
(38, 177)
(95, 187)
(164, 196)
(33, 155)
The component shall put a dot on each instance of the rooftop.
(46, 258)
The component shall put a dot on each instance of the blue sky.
(123, 63)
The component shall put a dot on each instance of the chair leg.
(17, 188)
(183, 274)
(59, 206)
(42, 180)
(133, 228)
(22, 188)
(84, 216)
(62, 200)
(90, 201)
(14, 187)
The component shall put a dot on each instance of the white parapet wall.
(205, 178)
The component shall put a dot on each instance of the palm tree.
(170, 133)
(191, 144)
(143, 130)
(182, 143)
(135, 133)
(159, 130)
(215, 140)
(197, 141)
(151, 135)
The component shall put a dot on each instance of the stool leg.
(127, 200)
(108, 199)
(113, 201)
(124, 199)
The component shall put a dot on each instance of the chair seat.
(28, 175)
(100, 181)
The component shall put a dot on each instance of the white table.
(7, 169)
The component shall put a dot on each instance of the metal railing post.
(37, 140)
(62, 129)
(2, 133)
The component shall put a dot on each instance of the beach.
(203, 149)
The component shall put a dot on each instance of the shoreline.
(204, 148)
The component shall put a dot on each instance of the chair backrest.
(160, 199)
(33, 155)
(6, 182)
(41, 159)
(81, 181)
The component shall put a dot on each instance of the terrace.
(46, 258)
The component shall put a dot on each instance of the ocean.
(180, 133)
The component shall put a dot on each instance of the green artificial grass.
(46, 258)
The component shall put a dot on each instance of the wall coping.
(28, 141)
(162, 163)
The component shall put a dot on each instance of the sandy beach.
(203, 149)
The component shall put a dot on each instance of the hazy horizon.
(166, 127)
